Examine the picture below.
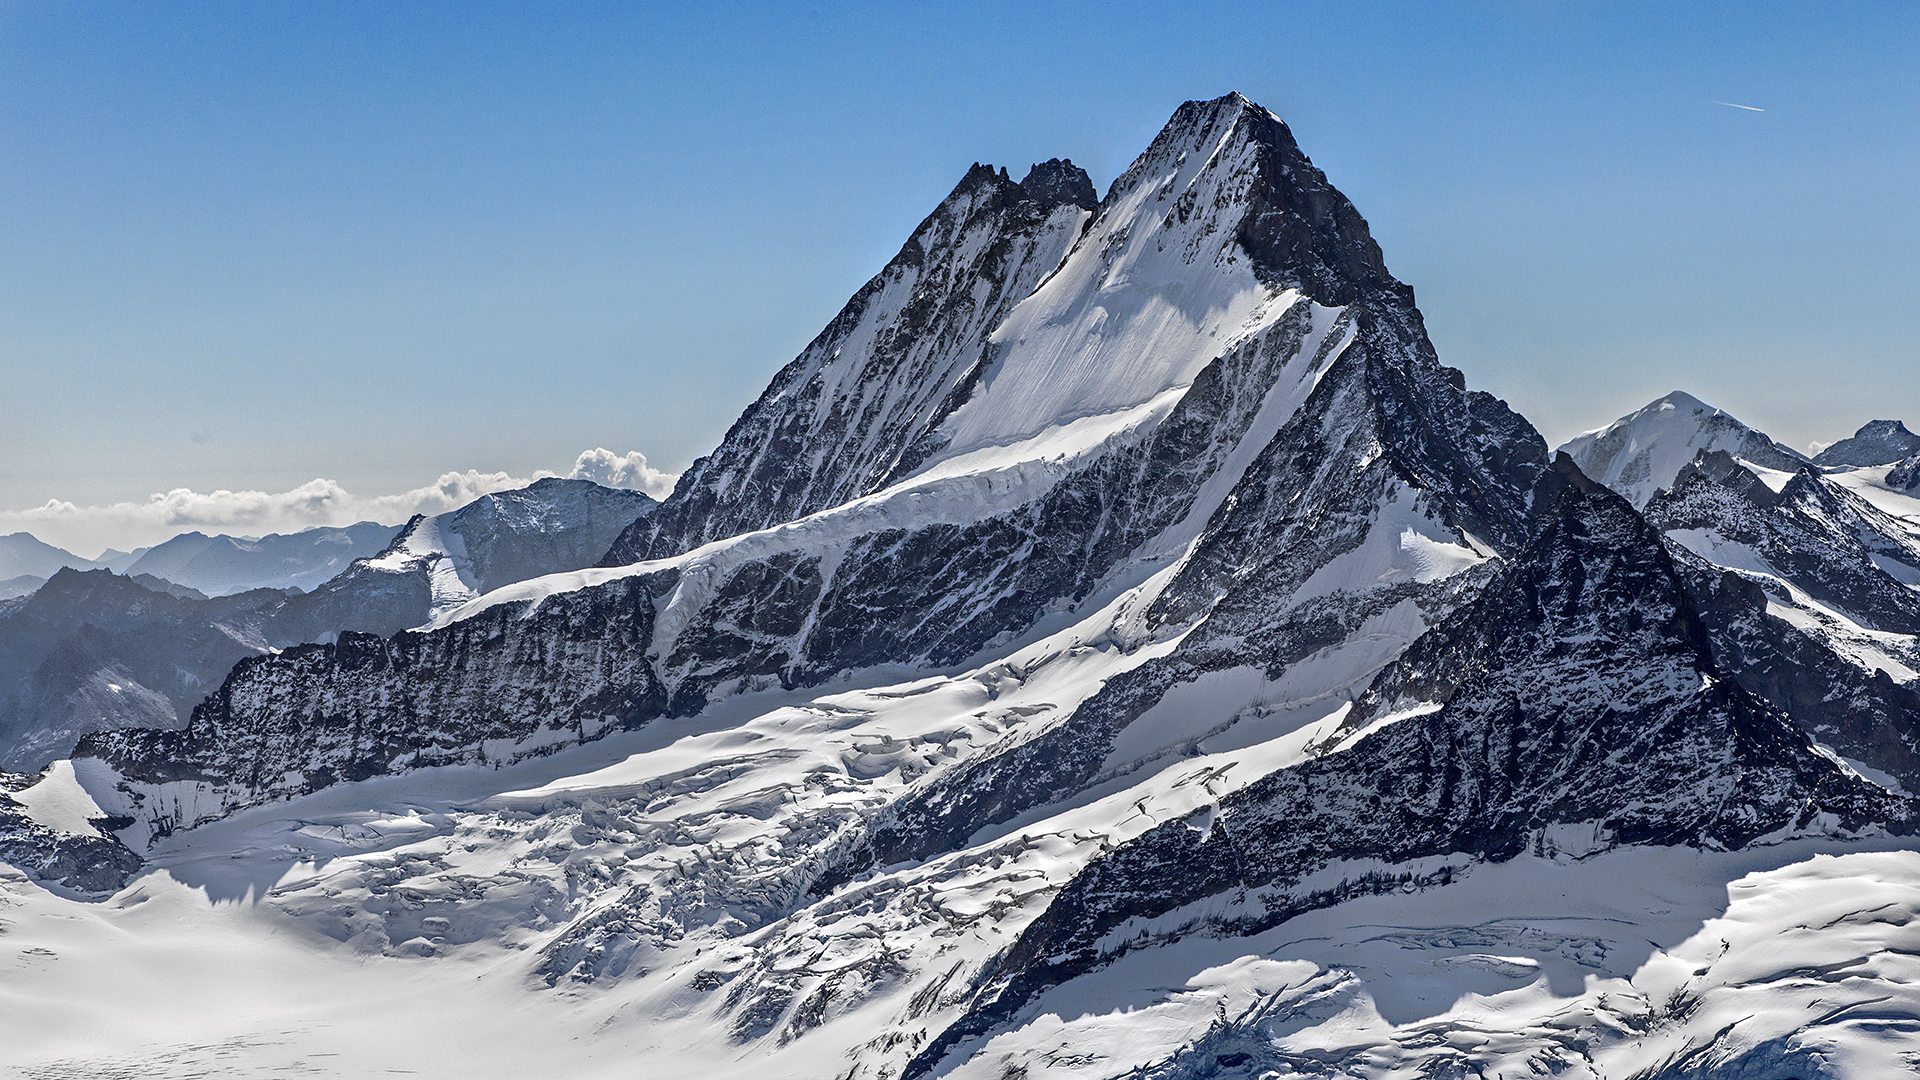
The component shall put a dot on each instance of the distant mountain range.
(92, 650)
(222, 565)
(215, 565)
(23, 555)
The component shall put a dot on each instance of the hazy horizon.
(254, 250)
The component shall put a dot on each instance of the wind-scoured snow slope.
(859, 406)
(1642, 452)
(955, 657)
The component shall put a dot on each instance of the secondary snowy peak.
(437, 563)
(550, 526)
(1642, 452)
(1878, 442)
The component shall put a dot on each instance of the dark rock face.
(1308, 499)
(363, 599)
(1906, 475)
(92, 650)
(1864, 715)
(303, 719)
(1878, 442)
(1814, 534)
(1833, 547)
(90, 864)
(1058, 181)
(548, 527)
(95, 651)
(1579, 709)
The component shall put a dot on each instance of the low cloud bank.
(629, 470)
(319, 502)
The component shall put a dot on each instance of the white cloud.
(318, 502)
(603, 466)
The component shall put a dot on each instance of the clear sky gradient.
(245, 246)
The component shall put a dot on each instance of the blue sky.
(245, 246)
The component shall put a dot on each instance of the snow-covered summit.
(1016, 308)
(1642, 452)
(1167, 276)
(551, 526)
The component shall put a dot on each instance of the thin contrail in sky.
(1731, 105)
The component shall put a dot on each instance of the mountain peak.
(1299, 230)
(1878, 442)
(1643, 451)
(1059, 180)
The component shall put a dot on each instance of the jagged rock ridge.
(1578, 707)
(1878, 442)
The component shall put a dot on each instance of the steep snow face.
(425, 546)
(857, 407)
(1017, 307)
(1642, 452)
(1154, 290)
